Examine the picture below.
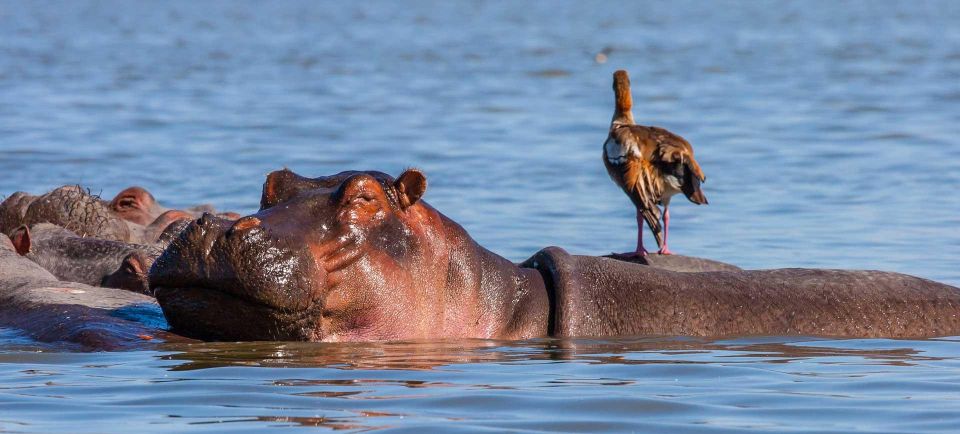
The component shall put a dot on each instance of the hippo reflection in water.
(359, 256)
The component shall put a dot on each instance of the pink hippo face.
(353, 256)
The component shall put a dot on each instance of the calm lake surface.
(828, 132)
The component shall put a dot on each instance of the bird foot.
(630, 255)
(665, 251)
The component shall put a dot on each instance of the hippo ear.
(134, 264)
(410, 187)
(281, 185)
(21, 240)
(273, 187)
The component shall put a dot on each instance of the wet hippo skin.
(91, 261)
(338, 263)
(674, 262)
(602, 297)
(49, 310)
(75, 209)
(358, 256)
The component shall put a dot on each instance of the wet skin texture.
(90, 261)
(77, 210)
(50, 310)
(358, 256)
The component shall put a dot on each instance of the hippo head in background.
(76, 209)
(87, 260)
(136, 205)
(147, 219)
(353, 256)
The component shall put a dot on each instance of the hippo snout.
(240, 259)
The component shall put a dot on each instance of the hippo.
(91, 261)
(137, 206)
(133, 215)
(79, 211)
(359, 256)
(89, 317)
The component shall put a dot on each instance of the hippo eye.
(361, 199)
(127, 203)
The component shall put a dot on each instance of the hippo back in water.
(604, 297)
(47, 309)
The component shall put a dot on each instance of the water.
(642, 385)
(828, 132)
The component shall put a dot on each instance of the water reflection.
(428, 355)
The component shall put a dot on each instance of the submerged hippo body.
(357, 256)
(90, 261)
(49, 310)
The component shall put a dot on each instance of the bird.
(651, 165)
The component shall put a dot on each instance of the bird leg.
(640, 252)
(666, 230)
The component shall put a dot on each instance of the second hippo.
(133, 215)
(90, 261)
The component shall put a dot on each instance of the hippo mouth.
(221, 315)
(217, 283)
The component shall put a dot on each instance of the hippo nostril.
(244, 224)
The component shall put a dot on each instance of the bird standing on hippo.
(651, 165)
(360, 256)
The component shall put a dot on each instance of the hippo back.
(595, 296)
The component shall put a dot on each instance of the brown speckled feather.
(650, 164)
(644, 153)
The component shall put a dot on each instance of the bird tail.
(652, 217)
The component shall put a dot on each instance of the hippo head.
(77, 210)
(351, 256)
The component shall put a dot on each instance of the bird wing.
(674, 156)
(671, 148)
